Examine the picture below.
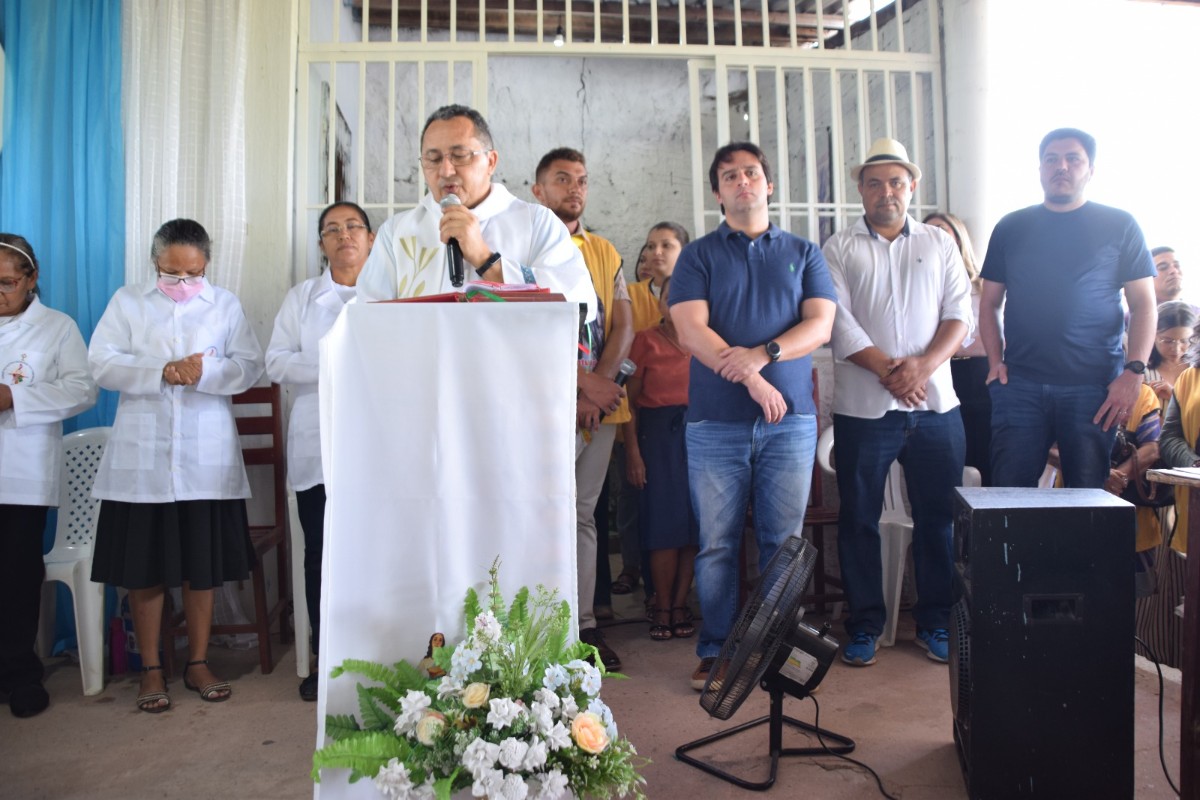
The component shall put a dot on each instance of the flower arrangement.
(517, 715)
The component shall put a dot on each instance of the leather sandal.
(658, 631)
(149, 702)
(215, 692)
(625, 583)
(684, 627)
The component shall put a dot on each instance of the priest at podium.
(501, 238)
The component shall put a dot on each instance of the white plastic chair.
(895, 532)
(70, 560)
(299, 605)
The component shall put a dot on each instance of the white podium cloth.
(448, 439)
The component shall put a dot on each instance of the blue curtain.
(62, 167)
(62, 172)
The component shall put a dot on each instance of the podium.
(448, 439)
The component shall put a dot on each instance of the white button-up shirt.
(409, 259)
(893, 295)
(293, 357)
(43, 361)
(173, 442)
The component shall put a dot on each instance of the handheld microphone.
(454, 256)
(624, 371)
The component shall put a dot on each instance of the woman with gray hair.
(171, 482)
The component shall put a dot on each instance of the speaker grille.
(960, 663)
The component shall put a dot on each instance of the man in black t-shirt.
(1057, 371)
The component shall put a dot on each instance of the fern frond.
(471, 609)
(341, 726)
(362, 755)
(374, 718)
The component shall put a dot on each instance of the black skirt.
(143, 545)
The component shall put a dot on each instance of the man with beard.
(561, 185)
(1168, 283)
(904, 307)
(1057, 371)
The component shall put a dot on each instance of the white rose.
(476, 695)
(430, 727)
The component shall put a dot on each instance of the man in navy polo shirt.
(751, 302)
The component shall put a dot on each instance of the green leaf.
(340, 726)
(362, 755)
(374, 718)
(471, 609)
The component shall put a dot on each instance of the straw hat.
(885, 151)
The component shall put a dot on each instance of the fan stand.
(775, 719)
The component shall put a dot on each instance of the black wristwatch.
(492, 259)
(1136, 367)
(773, 351)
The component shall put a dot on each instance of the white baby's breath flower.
(514, 788)
(535, 756)
(554, 785)
(512, 754)
(547, 698)
(556, 677)
(479, 757)
(392, 779)
(543, 717)
(503, 712)
(412, 708)
(488, 783)
(558, 737)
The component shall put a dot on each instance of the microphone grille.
(450, 200)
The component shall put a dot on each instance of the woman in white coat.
(172, 482)
(44, 379)
(307, 314)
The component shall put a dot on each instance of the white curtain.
(184, 79)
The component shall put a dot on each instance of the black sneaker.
(308, 689)
(595, 638)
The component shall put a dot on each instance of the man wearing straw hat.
(904, 308)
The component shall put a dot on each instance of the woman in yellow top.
(1143, 430)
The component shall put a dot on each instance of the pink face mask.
(180, 292)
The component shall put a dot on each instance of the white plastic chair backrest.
(77, 509)
(825, 450)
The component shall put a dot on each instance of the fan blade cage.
(760, 629)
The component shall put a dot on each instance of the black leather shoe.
(594, 637)
(308, 688)
(28, 700)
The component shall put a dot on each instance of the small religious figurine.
(426, 666)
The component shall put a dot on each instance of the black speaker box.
(1041, 643)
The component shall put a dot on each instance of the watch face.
(773, 350)
(1136, 367)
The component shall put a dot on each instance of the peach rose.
(430, 727)
(476, 695)
(588, 732)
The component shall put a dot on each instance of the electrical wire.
(874, 774)
(1162, 756)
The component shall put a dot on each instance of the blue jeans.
(730, 464)
(1028, 417)
(931, 447)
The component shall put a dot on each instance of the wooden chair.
(818, 516)
(264, 538)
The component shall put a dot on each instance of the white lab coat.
(44, 362)
(308, 312)
(173, 442)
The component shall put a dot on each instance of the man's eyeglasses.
(459, 158)
(1167, 341)
(175, 280)
(335, 231)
